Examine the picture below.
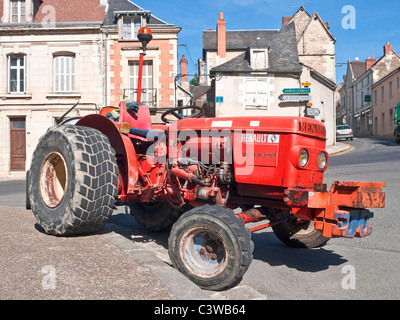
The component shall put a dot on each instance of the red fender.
(128, 168)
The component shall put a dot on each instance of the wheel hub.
(53, 180)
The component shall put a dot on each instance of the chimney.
(285, 20)
(221, 36)
(369, 62)
(202, 77)
(183, 64)
(184, 76)
(387, 48)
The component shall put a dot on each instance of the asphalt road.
(364, 268)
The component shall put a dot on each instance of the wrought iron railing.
(148, 96)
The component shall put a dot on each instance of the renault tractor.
(206, 180)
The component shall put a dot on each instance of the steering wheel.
(174, 112)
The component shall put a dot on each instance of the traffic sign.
(297, 90)
(312, 112)
(295, 98)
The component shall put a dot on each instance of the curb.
(176, 282)
(347, 148)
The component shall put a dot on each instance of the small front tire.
(211, 246)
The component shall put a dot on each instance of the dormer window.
(130, 22)
(259, 59)
(130, 27)
(17, 12)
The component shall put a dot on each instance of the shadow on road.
(269, 249)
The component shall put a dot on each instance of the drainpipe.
(106, 73)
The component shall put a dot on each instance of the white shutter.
(257, 92)
(126, 28)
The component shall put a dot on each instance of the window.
(130, 27)
(64, 73)
(362, 98)
(16, 74)
(256, 93)
(147, 81)
(390, 89)
(259, 59)
(17, 13)
(375, 97)
(383, 94)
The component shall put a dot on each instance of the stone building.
(249, 69)
(51, 56)
(315, 43)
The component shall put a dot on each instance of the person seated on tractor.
(130, 105)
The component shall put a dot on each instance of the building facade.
(160, 72)
(359, 92)
(51, 57)
(385, 100)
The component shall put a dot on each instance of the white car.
(344, 132)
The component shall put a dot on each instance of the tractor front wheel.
(211, 246)
(72, 183)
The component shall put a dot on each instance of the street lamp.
(145, 36)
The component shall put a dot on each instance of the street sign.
(219, 99)
(295, 98)
(306, 84)
(297, 90)
(312, 112)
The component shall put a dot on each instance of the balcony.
(148, 97)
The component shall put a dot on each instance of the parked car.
(344, 132)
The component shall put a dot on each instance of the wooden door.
(17, 143)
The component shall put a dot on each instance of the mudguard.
(127, 159)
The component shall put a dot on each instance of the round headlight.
(303, 157)
(322, 160)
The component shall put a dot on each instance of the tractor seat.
(139, 120)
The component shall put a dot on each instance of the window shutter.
(126, 28)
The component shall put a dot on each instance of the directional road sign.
(312, 112)
(295, 98)
(297, 90)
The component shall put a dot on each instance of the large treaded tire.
(303, 235)
(155, 216)
(211, 246)
(73, 180)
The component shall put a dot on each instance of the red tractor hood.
(284, 125)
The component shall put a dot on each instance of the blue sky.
(376, 22)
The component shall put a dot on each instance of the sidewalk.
(101, 266)
(340, 147)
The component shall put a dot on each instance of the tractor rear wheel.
(73, 180)
(155, 216)
(299, 234)
(211, 246)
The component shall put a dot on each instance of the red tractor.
(189, 176)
